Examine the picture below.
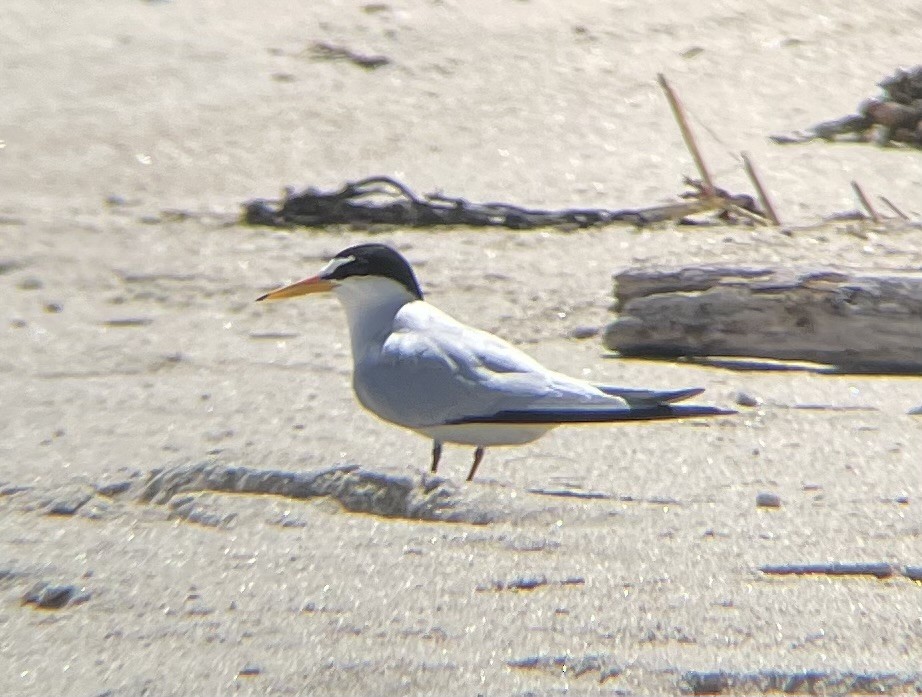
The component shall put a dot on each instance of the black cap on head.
(374, 260)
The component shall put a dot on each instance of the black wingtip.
(587, 416)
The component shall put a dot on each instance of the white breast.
(486, 435)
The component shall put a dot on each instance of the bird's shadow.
(750, 364)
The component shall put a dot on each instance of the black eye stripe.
(376, 260)
(353, 268)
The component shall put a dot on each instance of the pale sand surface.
(175, 106)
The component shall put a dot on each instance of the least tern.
(416, 367)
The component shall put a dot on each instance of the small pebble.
(524, 583)
(915, 411)
(767, 499)
(69, 502)
(128, 322)
(197, 609)
(249, 670)
(744, 399)
(583, 332)
(30, 283)
(573, 581)
(706, 683)
(53, 597)
(112, 489)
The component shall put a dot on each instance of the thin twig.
(388, 181)
(865, 202)
(677, 211)
(760, 190)
(743, 213)
(687, 135)
(893, 207)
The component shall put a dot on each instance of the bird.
(417, 367)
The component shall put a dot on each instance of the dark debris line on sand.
(386, 201)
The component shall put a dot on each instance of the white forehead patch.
(335, 264)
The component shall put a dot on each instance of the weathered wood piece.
(861, 322)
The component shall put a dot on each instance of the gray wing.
(433, 370)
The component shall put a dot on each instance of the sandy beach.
(598, 560)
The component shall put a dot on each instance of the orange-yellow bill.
(314, 284)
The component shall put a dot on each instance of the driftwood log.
(861, 322)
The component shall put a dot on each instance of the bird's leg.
(436, 454)
(478, 456)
